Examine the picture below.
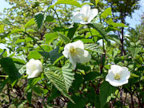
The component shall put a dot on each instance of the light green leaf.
(50, 37)
(69, 2)
(96, 2)
(64, 38)
(30, 23)
(1, 28)
(106, 13)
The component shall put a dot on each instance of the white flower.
(85, 15)
(76, 53)
(33, 68)
(117, 75)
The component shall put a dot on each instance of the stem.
(91, 34)
(34, 40)
(8, 92)
(57, 17)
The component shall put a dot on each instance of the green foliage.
(41, 30)
(39, 18)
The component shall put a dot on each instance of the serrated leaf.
(30, 23)
(106, 90)
(39, 18)
(58, 81)
(10, 68)
(100, 29)
(67, 75)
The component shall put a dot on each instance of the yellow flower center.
(117, 77)
(85, 19)
(72, 50)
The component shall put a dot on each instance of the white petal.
(66, 50)
(125, 74)
(92, 14)
(116, 68)
(117, 83)
(85, 57)
(77, 18)
(78, 44)
(85, 10)
(73, 61)
(35, 73)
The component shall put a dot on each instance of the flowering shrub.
(49, 63)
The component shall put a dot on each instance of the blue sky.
(136, 16)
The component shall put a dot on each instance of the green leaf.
(54, 55)
(100, 29)
(68, 75)
(106, 13)
(58, 81)
(110, 22)
(30, 23)
(106, 90)
(1, 28)
(80, 102)
(10, 68)
(39, 17)
(49, 18)
(50, 37)
(64, 38)
(16, 31)
(96, 2)
(69, 2)
(34, 54)
(72, 31)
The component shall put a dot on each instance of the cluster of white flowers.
(117, 75)
(33, 68)
(76, 53)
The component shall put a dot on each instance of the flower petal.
(92, 14)
(78, 44)
(85, 10)
(77, 18)
(116, 69)
(85, 57)
(73, 61)
(35, 73)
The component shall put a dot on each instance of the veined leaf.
(67, 75)
(39, 18)
(105, 96)
(100, 29)
(30, 23)
(10, 68)
(58, 80)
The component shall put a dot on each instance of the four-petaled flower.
(76, 53)
(33, 68)
(85, 15)
(117, 75)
